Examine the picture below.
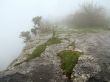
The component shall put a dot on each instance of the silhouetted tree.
(26, 35)
(37, 20)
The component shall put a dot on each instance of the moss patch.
(37, 52)
(41, 48)
(68, 61)
(53, 40)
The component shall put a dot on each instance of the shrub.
(90, 15)
(36, 20)
(26, 36)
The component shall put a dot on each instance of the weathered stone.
(92, 66)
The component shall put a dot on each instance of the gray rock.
(92, 66)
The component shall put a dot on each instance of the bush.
(36, 20)
(90, 15)
(26, 36)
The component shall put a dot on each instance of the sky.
(16, 16)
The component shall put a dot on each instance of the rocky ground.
(93, 65)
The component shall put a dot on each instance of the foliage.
(68, 61)
(41, 48)
(37, 20)
(43, 25)
(26, 35)
(90, 15)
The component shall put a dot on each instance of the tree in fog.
(36, 20)
(33, 30)
(26, 36)
(90, 15)
(40, 25)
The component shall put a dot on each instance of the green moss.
(41, 48)
(37, 52)
(53, 40)
(68, 61)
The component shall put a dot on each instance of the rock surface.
(92, 66)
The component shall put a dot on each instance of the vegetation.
(37, 52)
(26, 36)
(90, 16)
(41, 48)
(33, 30)
(68, 61)
(37, 20)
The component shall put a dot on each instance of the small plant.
(68, 61)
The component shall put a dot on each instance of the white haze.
(16, 15)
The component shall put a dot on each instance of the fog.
(16, 15)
